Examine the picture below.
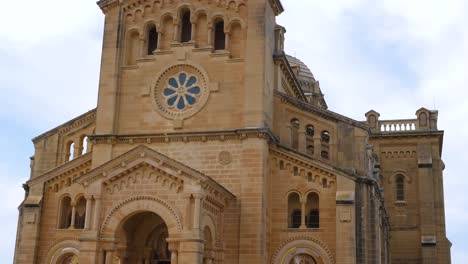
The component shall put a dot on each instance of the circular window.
(180, 91)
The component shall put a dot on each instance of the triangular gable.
(144, 156)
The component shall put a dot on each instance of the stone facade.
(210, 145)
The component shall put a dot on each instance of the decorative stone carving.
(224, 157)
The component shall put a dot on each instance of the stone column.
(227, 40)
(72, 223)
(187, 212)
(302, 142)
(78, 150)
(160, 35)
(317, 146)
(210, 32)
(88, 212)
(196, 211)
(194, 27)
(176, 32)
(303, 214)
(97, 209)
(109, 256)
(174, 248)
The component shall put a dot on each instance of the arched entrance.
(303, 259)
(143, 240)
(68, 259)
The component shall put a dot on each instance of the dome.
(302, 72)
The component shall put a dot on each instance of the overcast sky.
(393, 56)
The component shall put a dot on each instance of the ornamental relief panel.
(144, 177)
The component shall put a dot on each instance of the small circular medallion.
(224, 157)
(180, 91)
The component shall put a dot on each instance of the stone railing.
(398, 125)
(425, 120)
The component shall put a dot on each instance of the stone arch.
(137, 204)
(208, 221)
(303, 245)
(396, 173)
(61, 247)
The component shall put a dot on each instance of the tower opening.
(186, 30)
(220, 38)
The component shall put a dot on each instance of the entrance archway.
(68, 259)
(303, 259)
(143, 240)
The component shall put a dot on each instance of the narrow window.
(186, 30)
(84, 145)
(312, 207)
(65, 213)
(325, 137)
(324, 154)
(294, 211)
(295, 171)
(80, 213)
(400, 189)
(152, 40)
(310, 150)
(219, 39)
(295, 134)
(71, 151)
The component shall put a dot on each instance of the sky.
(392, 56)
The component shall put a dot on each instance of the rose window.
(182, 91)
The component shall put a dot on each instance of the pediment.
(145, 162)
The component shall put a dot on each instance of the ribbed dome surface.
(304, 73)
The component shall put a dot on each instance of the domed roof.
(303, 72)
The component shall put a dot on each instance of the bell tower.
(186, 65)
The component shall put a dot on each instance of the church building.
(210, 145)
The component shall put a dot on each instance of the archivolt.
(135, 204)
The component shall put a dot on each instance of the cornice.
(291, 78)
(326, 114)
(203, 136)
(64, 169)
(277, 6)
(89, 117)
(106, 4)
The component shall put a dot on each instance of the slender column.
(109, 256)
(302, 142)
(196, 212)
(210, 33)
(78, 150)
(187, 212)
(72, 224)
(173, 247)
(176, 32)
(317, 146)
(194, 27)
(160, 35)
(88, 212)
(227, 40)
(97, 210)
(303, 205)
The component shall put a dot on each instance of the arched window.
(132, 47)
(235, 41)
(186, 27)
(312, 209)
(296, 171)
(80, 213)
(310, 150)
(152, 40)
(400, 188)
(325, 136)
(324, 154)
(84, 145)
(294, 211)
(310, 131)
(294, 133)
(219, 36)
(65, 213)
(70, 151)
